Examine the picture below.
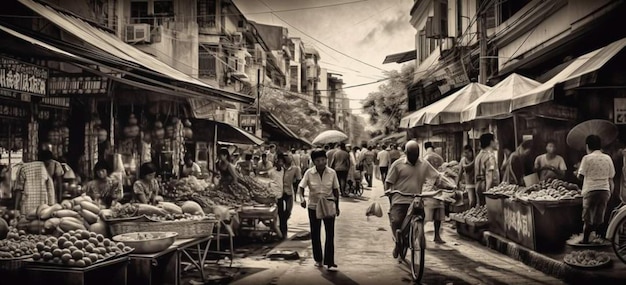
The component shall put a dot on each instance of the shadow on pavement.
(337, 278)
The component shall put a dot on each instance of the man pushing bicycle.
(405, 179)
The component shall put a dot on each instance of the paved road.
(363, 248)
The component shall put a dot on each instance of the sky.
(365, 30)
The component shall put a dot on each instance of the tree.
(388, 104)
(295, 111)
(357, 130)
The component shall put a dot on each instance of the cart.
(259, 221)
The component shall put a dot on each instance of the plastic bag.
(374, 210)
(222, 213)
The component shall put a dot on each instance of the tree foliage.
(388, 104)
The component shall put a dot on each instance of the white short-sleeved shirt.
(276, 186)
(319, 186)
(597, 168)
(383, 158)
(542, 161)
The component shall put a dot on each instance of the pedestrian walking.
(550, 164)
(323, 188)
(394, 154)
(383, 162)
(596, 171)
(332, 148)
(367, 160)
(487, 174)
(291, 179)
(340, 162)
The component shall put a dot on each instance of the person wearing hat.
(322, 183)
(596, 171)
(146, 188)
(103, 189)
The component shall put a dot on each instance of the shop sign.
(12, 110)
(518, 223)
(59, 102)
(619, 105)
(66, 85)
(556, 112)
(21, 77)
(248, 122)
(451, 76)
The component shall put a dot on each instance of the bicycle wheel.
(619, 240)
(417, 245)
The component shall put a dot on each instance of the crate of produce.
(258, 211)
(473, 231)
(185, 229)
(495, 213)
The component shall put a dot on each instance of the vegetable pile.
(587, 258)
(18, 244)
(474, 215)
(80, 213)
(78, 249)
(504, 189)
(164, 211)
(551, 190)
(184, 188)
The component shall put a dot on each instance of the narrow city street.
(364, 246)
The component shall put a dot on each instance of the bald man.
(408, 175)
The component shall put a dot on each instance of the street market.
(283, 142)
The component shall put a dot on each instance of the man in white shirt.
(597, 172)
(383, 162)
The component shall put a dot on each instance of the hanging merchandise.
(187, 131)
(159, 132)
(146, 147)
(179, 146)
(33, 142)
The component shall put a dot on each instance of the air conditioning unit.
(137, 33)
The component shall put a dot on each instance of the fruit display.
(587, 258)
(164, 211)
(504, 189)
(474, 215)
(80, 213)
(186, 187)
(551, 190)
(182, 217)
(19, 244)
(78, 248)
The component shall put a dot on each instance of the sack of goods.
(374, 210)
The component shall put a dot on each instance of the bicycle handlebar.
(421, 195)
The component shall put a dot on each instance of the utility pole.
(258, 131)
(482, 37)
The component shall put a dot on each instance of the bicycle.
(411, 234)
(616, 231)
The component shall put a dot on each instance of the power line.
(304, 33)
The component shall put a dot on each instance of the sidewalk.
(552, 264)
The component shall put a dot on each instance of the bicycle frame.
(617, 216)
(416, 204)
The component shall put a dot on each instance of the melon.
(4, 229)
(99, 227)
(193, 208)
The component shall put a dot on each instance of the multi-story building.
(279, 56)
(336, 98)
(322, 91)
(297, 81)
(313, 73)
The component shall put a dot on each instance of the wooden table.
(165, 267)
(111, 272)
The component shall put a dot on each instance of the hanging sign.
(64, 85)
(13, 110)
(56, 102)
(555, 112)
(248, 122)
(619, 106)
(21, 77)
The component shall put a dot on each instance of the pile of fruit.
(474, 215)
(504, 189)
(551, 190)
(164, 211)
(80, 213)
(184, 188)
(78, 249)
(19, 244)
(587, 258)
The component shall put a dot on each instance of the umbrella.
(602, 128)
(331, 136)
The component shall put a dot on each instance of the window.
(423, 43)
(507, 8)
(207, 9)
(139, 12)
(163, 8)
(443, 17)
(207, 61)
(459, 18)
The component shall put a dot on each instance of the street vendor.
(596, 171)
(103, 189)
(190, 168)
(550, 164)
(33, 187)
(264, 165)
(245, 167)
(467, 173)
(487, 174)
(514, 172)
(228, 173)
(146, 188)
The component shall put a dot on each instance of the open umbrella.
(331, 136)
(602, 128)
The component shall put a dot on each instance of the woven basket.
(185, 229)
(13, 264)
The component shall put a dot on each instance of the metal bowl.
(147, 242)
